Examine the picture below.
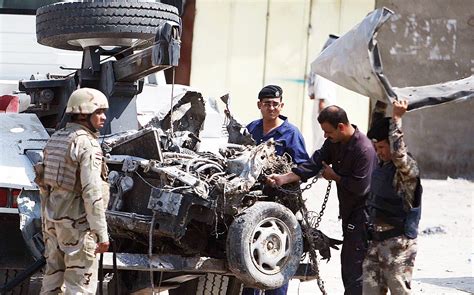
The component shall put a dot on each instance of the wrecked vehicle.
(172, 199)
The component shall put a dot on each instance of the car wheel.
(76, 25)
(264, 245)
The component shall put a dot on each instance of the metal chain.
(323, 206)
(313, 256)
(309, 185)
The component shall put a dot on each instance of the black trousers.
(354, 249)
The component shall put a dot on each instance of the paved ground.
(444, 264)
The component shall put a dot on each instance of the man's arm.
(90, 163)
(406, 165)
(321, 104)
(312, 166)
(281, 179)
(297, 148)
(407, 174)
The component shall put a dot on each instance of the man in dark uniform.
(353, 159)
(288, 137)
(394, 207)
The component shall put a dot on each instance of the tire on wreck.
(264, 245)
(74, 25)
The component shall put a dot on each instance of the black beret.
(270, 91)
(379, 130)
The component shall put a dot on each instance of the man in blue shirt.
(273, 125)
(288, 137)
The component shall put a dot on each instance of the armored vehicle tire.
(76, 25)
(264, 245)
(210, 284)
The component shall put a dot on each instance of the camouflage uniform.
(73, 209)
(389, 263)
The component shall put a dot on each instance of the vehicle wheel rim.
(88, 42)
(270, 245)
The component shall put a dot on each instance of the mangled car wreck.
(167, 197)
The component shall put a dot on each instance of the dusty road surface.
(444, 264)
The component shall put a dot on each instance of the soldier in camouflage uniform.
(74, 198)
(394, 207)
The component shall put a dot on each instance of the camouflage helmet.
(86, 101)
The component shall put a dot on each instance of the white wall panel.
(229, 52)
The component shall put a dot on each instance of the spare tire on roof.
(75, 25)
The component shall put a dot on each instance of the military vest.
(60, 171)
(386, 204)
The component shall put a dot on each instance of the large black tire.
(101, 23)
(210, 284)
(264, 245)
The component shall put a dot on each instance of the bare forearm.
(281, 179)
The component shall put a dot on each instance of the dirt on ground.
(444, 263)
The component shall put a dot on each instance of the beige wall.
(235, 51)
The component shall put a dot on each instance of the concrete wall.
(237, 49)
(427, 42)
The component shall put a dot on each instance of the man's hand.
(399, 108)
(329, 174)
(321, 104)
(381, 105)
(102, 247)
(281, 179)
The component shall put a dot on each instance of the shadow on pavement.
(465, 284)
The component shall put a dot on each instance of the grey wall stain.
(428, 42)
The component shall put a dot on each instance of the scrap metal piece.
(248, 166)
(353, 61)
(201, 188)
(29, 204)
(120, 184)
(237, 132)
(132, 144)
(165, 201)
(430, 95)
(129, 165)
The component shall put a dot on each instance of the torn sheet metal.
(349, 61)
(201, 188)
(249, 166)
(353, 61)
(429, 95)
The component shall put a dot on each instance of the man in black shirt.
(353, 158)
